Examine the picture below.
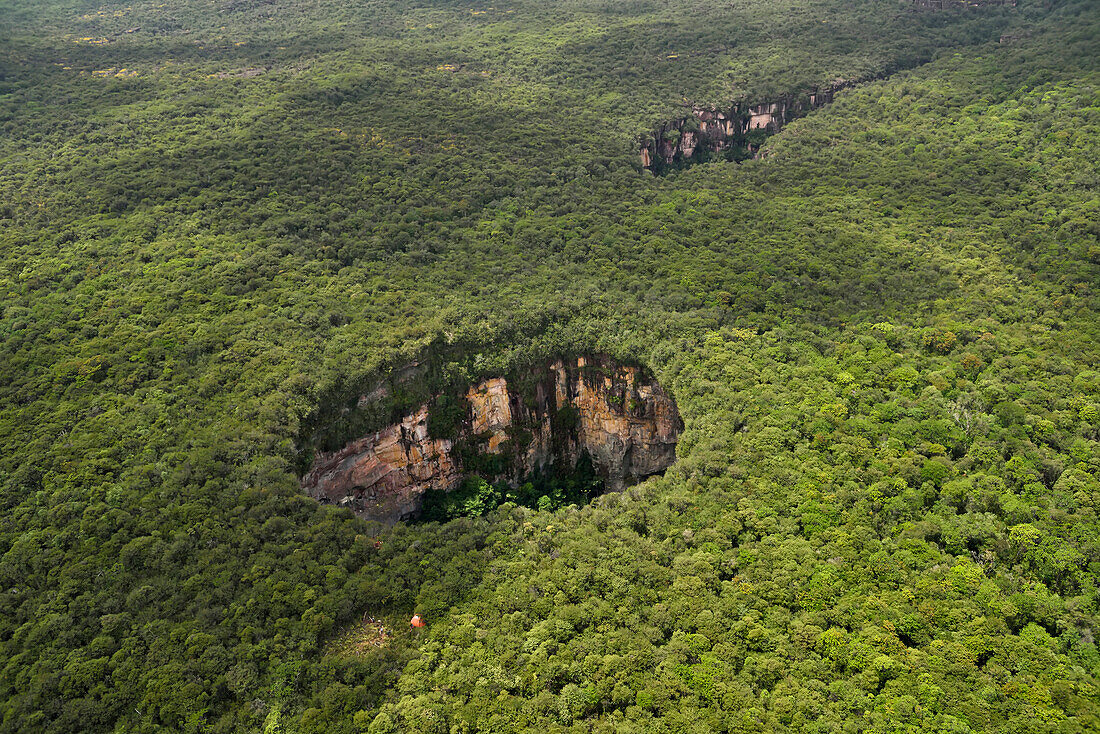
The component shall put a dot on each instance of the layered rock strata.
(617, 415)
(708, 130)
(952, 4)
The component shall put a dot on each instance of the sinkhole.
(555, 433)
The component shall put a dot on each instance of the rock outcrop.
(950, 4)
(542, 421)
(384, 475)
(736, 130)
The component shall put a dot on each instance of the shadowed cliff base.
(564, 430)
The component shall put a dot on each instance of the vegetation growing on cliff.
(882, 336)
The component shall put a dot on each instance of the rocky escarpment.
(950, 4)
(504, 430)
(736, 131)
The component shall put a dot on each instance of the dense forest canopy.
(218, 218)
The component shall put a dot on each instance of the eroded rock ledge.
(736, 131)
(505, 430)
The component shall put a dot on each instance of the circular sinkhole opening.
(556, 433)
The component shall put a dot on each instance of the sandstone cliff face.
(950, 4)
(623, 420)
(714, 130)
(384, 475)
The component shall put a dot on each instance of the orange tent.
(416, 621)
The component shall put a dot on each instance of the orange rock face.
(628, 426)
(624, 421)
(491, 411)
(384, 475)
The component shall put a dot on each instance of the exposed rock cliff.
(737, 129)
(949, 4)
(383, 475)
(547, 420)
